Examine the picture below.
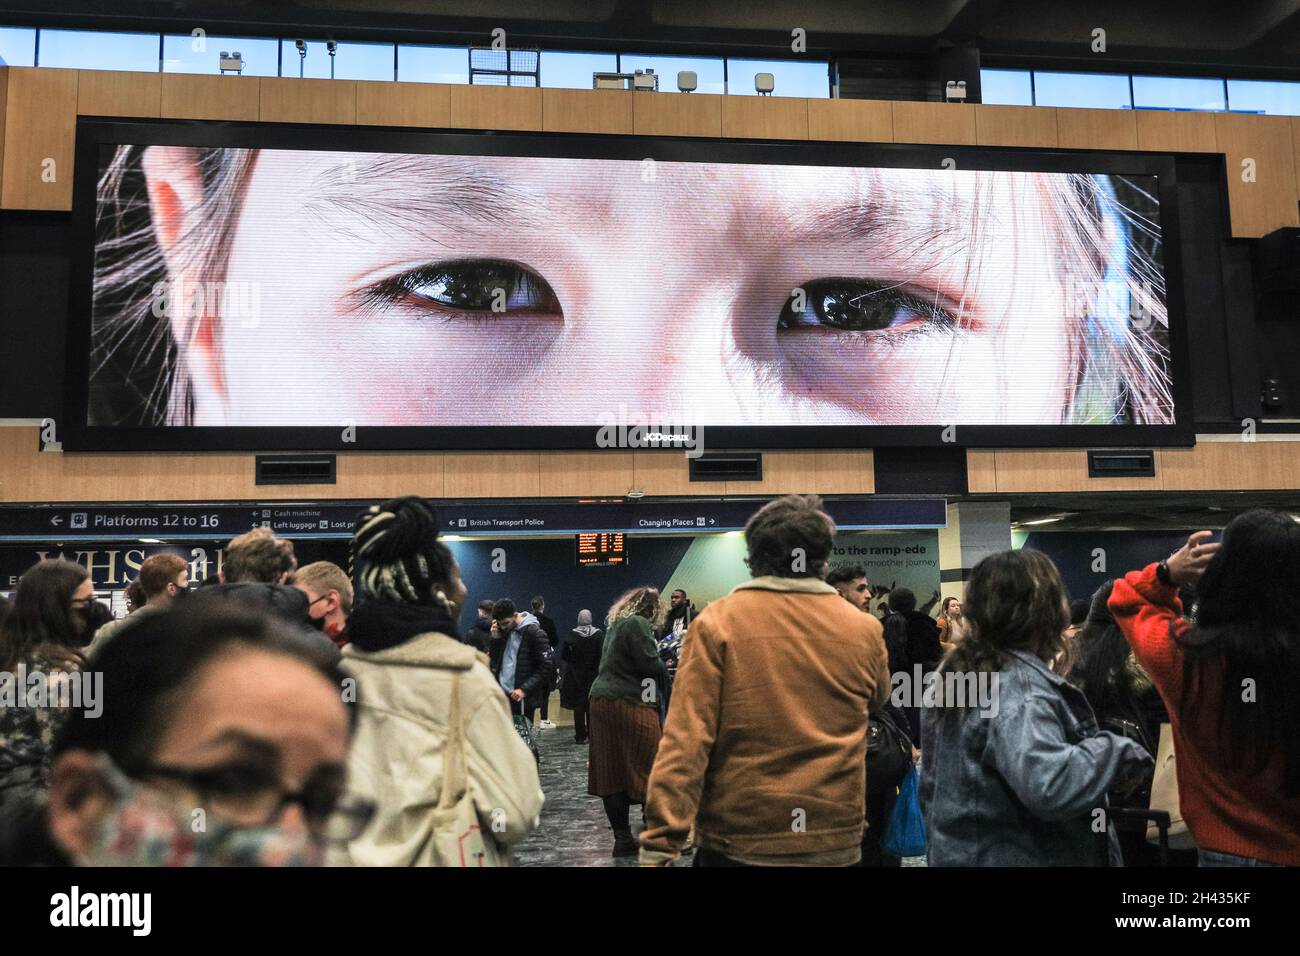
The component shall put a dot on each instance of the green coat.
(628, 659)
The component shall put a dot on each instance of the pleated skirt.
(623, 740)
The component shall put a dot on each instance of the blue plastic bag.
(905, 833)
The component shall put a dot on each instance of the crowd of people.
(312, 715)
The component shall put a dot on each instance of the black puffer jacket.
(287, 603)
(534, 667)
(479, 635)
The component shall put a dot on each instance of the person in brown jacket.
(764, 747)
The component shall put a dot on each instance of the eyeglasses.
(249, 798)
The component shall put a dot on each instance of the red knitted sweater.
(1225, 810)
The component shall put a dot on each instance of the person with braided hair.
(431, 718)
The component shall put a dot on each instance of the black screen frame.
(93, 133)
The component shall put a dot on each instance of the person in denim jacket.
(1018, 782)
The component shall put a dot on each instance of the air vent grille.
(295, 469)
(727, 466)
(1139, 463)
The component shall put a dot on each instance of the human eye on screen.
(470, 287)
(866, 305)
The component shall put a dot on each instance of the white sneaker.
(546, 724)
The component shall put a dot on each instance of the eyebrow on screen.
(873, 221)
(412, 191)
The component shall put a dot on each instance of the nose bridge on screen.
(674, 315)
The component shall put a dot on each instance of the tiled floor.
(574, 831)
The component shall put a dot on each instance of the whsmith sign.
(116, 564)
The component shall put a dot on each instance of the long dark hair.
(1101, 666)
(1014, 601)
(42, 619)
(1246, 634)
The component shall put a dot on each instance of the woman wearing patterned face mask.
(221, 740)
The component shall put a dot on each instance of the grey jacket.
(1019, 787)
(112, 628)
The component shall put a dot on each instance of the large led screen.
(473, 290)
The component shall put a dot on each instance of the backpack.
(889, 753)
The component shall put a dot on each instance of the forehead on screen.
(827, 199)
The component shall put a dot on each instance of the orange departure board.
(605, 549)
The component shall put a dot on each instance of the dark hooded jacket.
(581, 652)
(534, 666)
(282, 600)
(479, 634)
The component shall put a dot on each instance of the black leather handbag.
(889, 753)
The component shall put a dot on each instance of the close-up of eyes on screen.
(270, 287)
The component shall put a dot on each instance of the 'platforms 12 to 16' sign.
(215, 522)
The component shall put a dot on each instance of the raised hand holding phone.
(1188, 563)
